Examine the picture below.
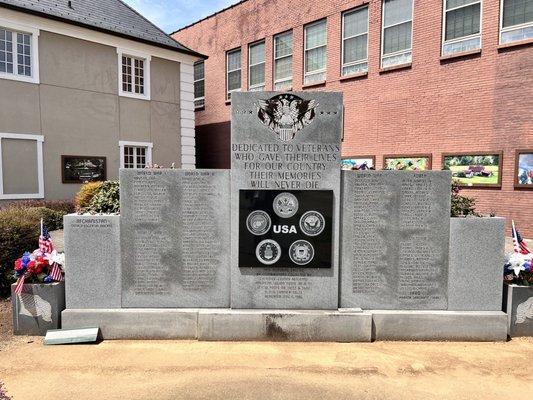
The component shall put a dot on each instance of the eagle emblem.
(286, 114)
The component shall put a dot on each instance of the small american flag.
(56, 274)
(45, 243)
(20, 284)
(518, 243)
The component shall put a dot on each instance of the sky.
(171, 15)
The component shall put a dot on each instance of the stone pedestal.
(38, 308)
(92, 261)
(518, 304)
(477, 247)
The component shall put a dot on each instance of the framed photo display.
(414, 162)
(83, 169)
(359, 163)
(523, 173)
(475, 169)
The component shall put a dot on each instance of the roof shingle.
(111, 16)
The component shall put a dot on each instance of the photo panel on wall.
(359, 163)
(523, 173)
(475, 170)
(410, 162)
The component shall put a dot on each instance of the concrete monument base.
(468, 326)
(289, 325)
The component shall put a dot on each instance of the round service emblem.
(258, 222)
(285, 205)
(312, 223)
(268, 251)
(301, 252)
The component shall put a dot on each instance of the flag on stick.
(45, 242)
(20, 284)
(518, 243)
(56, 274)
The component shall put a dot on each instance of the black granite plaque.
(288, 229)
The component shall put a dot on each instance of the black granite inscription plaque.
(289, 229)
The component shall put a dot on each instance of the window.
(315, 58)
(18, 53)
(256, 65)
(397, 32)
(355, 41)
(199, 84)
(28, 184)
(516, 21)
(462, 26)
(233, 72)
(283, 61)
(134, 72)
(135, 154)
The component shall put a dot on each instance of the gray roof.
(110, 16)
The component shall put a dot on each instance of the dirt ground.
(173, 370)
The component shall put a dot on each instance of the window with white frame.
(134, 75)
(355, 41)
(15, 137)
(256, 66)
(233, 72)
(462, 26)
(397, 30)
(199, 84)
(516, 21)
(135, 154)
(315, 58)
(18, 53)
(283, 61)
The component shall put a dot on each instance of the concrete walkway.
(173, 370)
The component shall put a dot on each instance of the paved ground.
(174, 370)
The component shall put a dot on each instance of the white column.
(188, 149)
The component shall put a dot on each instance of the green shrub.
(85, 195)
(462, 205)
(19, 232)
(66, 206)
(106, 200)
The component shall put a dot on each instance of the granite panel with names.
(92, 261)
(175, 238)
(395, 239)
(285, 141)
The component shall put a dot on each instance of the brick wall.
(478, 103)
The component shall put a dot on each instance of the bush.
(19, 232)
(462, 205)
(85, 195)
(65, 206)
(106, 200)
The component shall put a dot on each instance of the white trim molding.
(39, 139)
(34, 51)
(148, 145)
(146, 58)
(187, 121)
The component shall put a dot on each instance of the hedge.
(19, 232)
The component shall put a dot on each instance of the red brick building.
(428, 77)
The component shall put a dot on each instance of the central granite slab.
(285, 181)
(395, 239)
(175, 238)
